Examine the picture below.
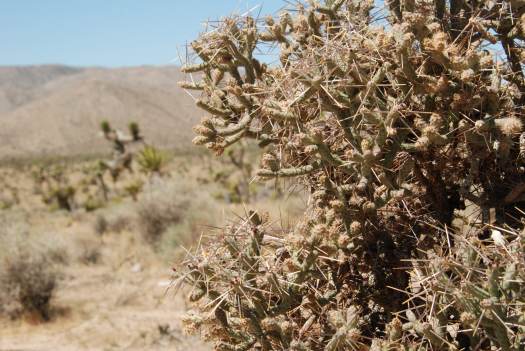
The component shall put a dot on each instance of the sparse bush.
(6, 202)
(119, 223)
(9, 197)
(87, 250)
(134, 188)
(89, 253)
(404, 126)
(156, 214)
(27, 283)
(93, 203)
(54, 187)
(101, 224)
(155, 218)
(197, 219)
(29, 269)
(168, 211)
(57, 254)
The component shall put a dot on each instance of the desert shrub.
(57, 254)
(155, 218)
(93, 203)
(8, 197)
(169, 213)
(29, 268)
(89, 254)
(101, 224)
(119, 223)
(409, 133)
(201, 213)
(27, 281)
(54, 186)
(134, 188)
(161, 208)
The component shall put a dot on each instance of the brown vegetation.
(408, 133)
(28, 280)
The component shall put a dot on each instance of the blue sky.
(107, 32)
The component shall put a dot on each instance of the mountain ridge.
(55, 110)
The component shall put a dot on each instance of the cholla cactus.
(402, 130)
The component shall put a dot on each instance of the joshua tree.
(122, 156)
(407, 125)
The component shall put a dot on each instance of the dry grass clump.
(28, 281)
(408, 132)
(155, 216)
(101, 224)
(168, 207)
(29, 268)
(120, 223)
(88, 251)
(115, 220)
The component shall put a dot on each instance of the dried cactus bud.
(463, 125)
(270, 325)
(204, 131)
(468, 319)
(197, 294)
(481, 126)
(343, 241)
(337, 205)
(394, 329)
(369, 208)
(366, 144)
(422, 143)
(436, 120)
(319, 231)
(509, 125)
(356, 228)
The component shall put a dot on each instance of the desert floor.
(122, 301)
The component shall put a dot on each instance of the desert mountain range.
(56, 110)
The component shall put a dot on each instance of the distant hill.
(56, 110)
